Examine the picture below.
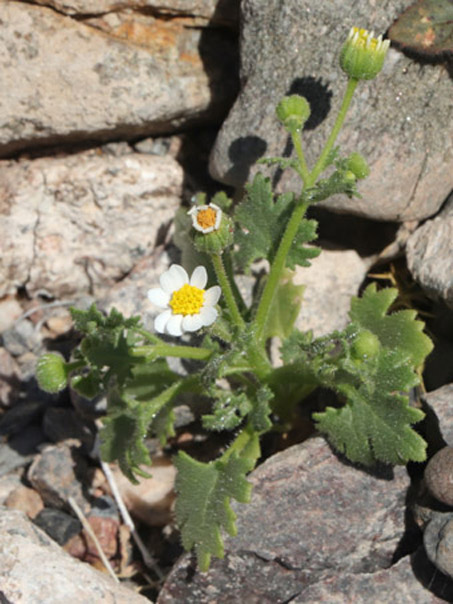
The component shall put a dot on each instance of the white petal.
(208, 315)
(212, 295)
(167, 282)
(173, 279)
(179, 275)
(174, 325)
(161, 321)
(158, 297)
(199, 277)
(192, 323)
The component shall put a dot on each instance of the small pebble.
(60, 324)
(438, 542)
(10, 311)
(26, 500)
(61, 527)
(60, 472)
(439, 475)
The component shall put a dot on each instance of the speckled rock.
(60, 472)
(129, 296)
(412, 580)
(213, 10)
(438, 542)
(439, 421)
(69, 81)
(34, 569)
(401, 122)
(430, 255)
(330, 282)
(439, 475)
(84, 220)
(310, 515)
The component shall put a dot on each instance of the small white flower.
(206, 218)
(188, 306)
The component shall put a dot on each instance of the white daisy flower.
(206, 218)
(188, 306)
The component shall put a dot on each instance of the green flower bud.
(358, 165)
(365, 346)
(349, 177)
(214, 229)
(51, 372)
(362, 56)
(293, 111)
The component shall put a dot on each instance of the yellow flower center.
(365, 38)
(188, 300)
(206, 218)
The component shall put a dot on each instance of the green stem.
(227, 292)
(319, 166)
(297, 142)
(169, 350)
(234, 288)
(277, 267)
(73, 365)
(291, 228)
(150, 337)
(240, 442)
(258, 359)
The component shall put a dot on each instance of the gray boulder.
(311, 516)
(402, 122)
(84, 220)
(120, 77)
(34, 569)
(430, 255)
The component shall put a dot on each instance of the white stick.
(147, 558)
(91, 533)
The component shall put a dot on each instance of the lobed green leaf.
(205, 490)
(262, 220)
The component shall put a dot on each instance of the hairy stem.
(319, 166)
(227, 291)
(279, 262)
(169, 350)
(277, 268)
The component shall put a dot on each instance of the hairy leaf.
(375, 423)
(339, 182)
(228, 411)
(262, 220)
(105, 347)
(204, 492)
(92, 321)
(398, 331)
(143, 405)
(372, 365)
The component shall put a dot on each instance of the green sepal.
(358, 165)
(52, 372)
(293, 111)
